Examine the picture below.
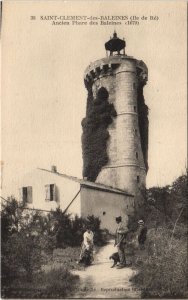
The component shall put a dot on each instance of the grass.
(66, 258)
(162, 266)
(54, 281)
(57, 283)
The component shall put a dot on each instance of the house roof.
(90, 184)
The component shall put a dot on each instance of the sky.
(43, 93)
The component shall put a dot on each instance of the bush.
(20, 251)
(21, 255)
(99, 236)
(69, 232)
(163, 264)
(10, 218)
(169, 202)
(25, 235)
(29, 235)
(163, 272)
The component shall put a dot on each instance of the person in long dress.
(87, 244)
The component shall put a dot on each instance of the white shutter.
(47, 192)
(21, 194)
(54, 192)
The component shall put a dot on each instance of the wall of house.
(65, 190)
(107, 206)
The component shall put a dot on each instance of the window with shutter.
(26, 194)
(50, 192)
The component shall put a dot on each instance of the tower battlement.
(109, 65)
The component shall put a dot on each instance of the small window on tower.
(135, 131)
(138, 178)
(134, 108)
(104, 213)
(134, 86)
(102, 94)
(137, 155)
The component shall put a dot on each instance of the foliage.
(143, 122)
(58, 283)
(99, 235)
(22, 241)
(163, 270)
(163, 264)
(66, 257)
(10, 218)
(95, 135)
(163, 205)
(20, 254)
(169, 201)
(69, 232)
(27, 236)
(179, 195)
(54, 284)
(62, 229)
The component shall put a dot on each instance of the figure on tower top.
(115, 44)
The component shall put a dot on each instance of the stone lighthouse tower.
(115, 129)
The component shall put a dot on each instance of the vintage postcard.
(93, 163)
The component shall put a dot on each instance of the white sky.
(44, 98)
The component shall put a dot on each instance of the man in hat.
(142, 233)
(120, 241)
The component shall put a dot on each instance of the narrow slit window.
(137, 155)
(138, 179)
(134, 108)
(104, 213)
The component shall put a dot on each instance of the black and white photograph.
(94, 149)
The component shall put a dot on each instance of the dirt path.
(101, 281)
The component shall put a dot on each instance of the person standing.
(87, 243)
(142, 233)
(120, 241)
